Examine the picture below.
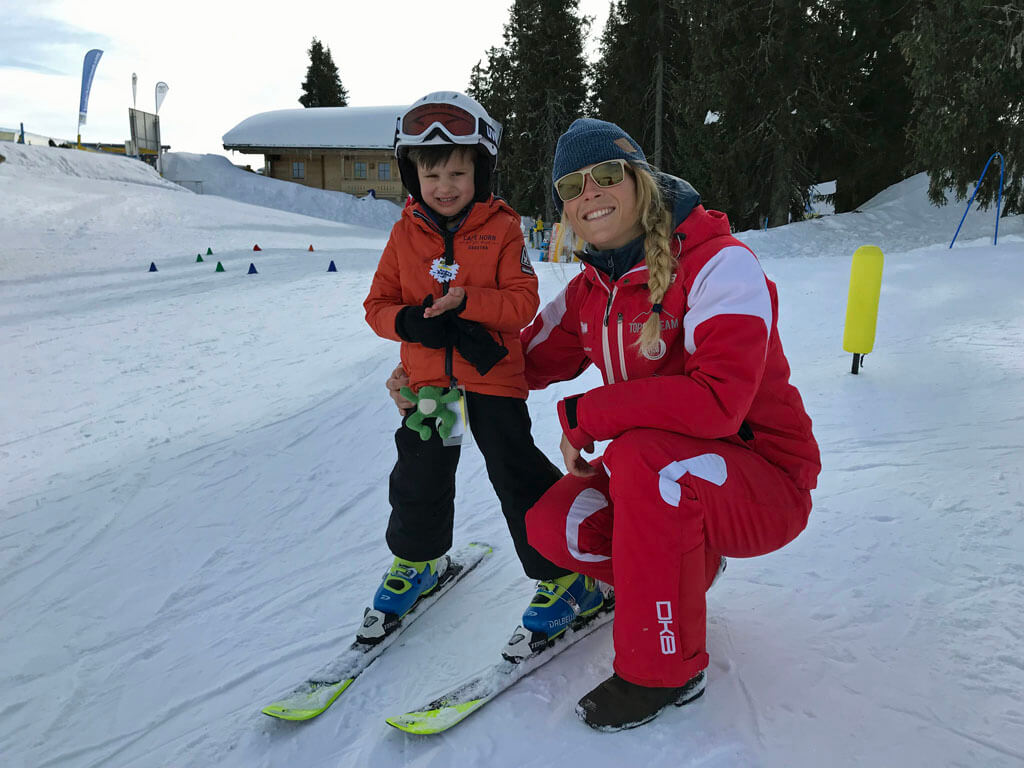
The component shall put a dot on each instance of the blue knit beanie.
(590, 141)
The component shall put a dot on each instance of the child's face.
(448, 187)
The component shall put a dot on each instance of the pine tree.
(492, 86)
(757, 65)
(967, 76)
(535, 85)
(622, 69)
(322, 87)
(645, 52)
(863, 143)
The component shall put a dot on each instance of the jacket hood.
(682, 196)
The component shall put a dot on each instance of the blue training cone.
(332, 268)
(152, 267)
(252, 269)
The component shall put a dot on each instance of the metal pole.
(971, 201)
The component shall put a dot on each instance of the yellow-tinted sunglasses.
(606, 174)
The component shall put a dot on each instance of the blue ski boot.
(403, 585)
(568, 601)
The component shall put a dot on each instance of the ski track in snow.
(195, 495)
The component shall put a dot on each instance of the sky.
(223, 64)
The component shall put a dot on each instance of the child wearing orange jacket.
(455, 286)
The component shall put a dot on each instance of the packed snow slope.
(194, 498)
(97, 213)
(215, 175)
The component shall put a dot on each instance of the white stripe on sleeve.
(731, 283)
(552, 315)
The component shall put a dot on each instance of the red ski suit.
(711, 450)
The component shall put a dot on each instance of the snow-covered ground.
(215, 175)
(193, 502)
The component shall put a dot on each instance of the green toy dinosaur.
(431, 403)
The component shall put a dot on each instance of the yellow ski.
(471, 694)
(320, 691)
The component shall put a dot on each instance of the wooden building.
(347, 149)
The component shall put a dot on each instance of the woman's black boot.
(617, 704)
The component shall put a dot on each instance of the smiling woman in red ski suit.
(711, 451)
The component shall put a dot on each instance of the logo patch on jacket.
(524, 260)
(659, 353)
(442, 272)
(669, 322)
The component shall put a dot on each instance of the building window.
(359, 170)
(298, 170)
(384, 172)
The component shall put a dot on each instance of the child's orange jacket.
(493, 267)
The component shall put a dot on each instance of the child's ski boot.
(568, 601)
(403, 585)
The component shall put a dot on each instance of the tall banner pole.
(92, 58)
(135, 81)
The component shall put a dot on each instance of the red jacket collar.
(697, 228)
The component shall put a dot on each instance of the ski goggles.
(449, 121)
(606, 174)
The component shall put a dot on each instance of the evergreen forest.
(755, 101)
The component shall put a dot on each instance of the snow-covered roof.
(329, 127)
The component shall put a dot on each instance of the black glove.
(434, 332)
(476, 345)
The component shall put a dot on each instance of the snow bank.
(65, 211)
(44, 162)
(217, 176)
(899, 218)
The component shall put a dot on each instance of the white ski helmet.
(446, 118)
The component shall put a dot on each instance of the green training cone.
(199, 258)
(220, 267)
(209, 251)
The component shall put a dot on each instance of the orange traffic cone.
(257, 247)
(311, 247)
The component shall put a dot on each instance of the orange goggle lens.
(455, 120)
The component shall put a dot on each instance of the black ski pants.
(422, 485)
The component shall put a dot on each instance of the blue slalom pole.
(999, 198)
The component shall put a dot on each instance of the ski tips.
(307, 704)
(435, 720)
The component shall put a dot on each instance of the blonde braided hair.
(656, 222)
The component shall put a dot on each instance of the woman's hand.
(450, 300)
(398, 379)
(574, 461)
